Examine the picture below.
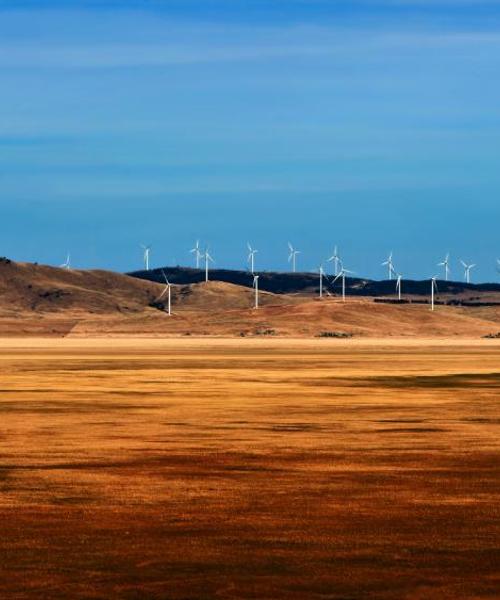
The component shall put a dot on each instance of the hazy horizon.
(370, 125)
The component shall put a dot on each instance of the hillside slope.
(307, 318)
(43, 300)
(32, 288)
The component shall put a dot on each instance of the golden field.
(255, 468)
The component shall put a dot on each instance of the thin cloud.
(329, 44)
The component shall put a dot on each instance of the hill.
(42, 300)
(308, 283)
(27, 287)
(308, 318)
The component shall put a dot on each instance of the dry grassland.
(266, 469)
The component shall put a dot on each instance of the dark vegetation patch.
(493, 421)
(293, 427)
(400, 421)
(71, 407)
(334, 334)
(53, 294)
(412, 430)
(286, 283)
(483, 380)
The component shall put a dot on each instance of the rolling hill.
(308, 283)
(42, 300)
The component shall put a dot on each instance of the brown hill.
(31, 288)
(26, 287)
(304, 319)
(218, 295)
(42, 300)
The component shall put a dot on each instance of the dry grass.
(249, 469)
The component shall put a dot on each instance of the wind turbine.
(292, 257)
(67, 263)
(197, 253)
(398, 285)
(147, 252)
(169, 292)
(390, 265)
(321, 272)
(342, 275)
(208, 259)
(335, 258)
(434, 289)
(251, 257)
(256, 287)
(467, 270)
(446, 264)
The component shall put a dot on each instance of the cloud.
(126, 55)
(293, 43)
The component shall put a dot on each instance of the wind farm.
(249, 300)
(296, 432)
(207, 301)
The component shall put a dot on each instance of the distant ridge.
(307, 283)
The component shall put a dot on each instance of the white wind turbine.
(398, 285)
(335, 258)
(197, 253)
(434, 289)
(146, 253)
(251, 257)
(341, 275)
(446, 264)
(167, 291)
(390, 265)
(67, 263)
(256, 287)
(467, 270)
(208, 259)
(292, 257)
(321, 272)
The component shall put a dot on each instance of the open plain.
(249, 468)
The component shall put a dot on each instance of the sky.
(371, 125)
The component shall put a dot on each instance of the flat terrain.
(253, 468)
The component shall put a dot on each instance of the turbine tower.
(167, 291)
(67, 263)
(251, 257)
(467, 270)
(434, 289)
(446, 264)
(197, 253)
(398, 285)
(335, 258)
(390, 266)
(208, 259)
(145, 256)
(292, 257)
(321, 272)
(256, 287)
(341, 275)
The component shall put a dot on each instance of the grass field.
(266, 469)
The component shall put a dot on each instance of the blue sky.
(371, 125)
